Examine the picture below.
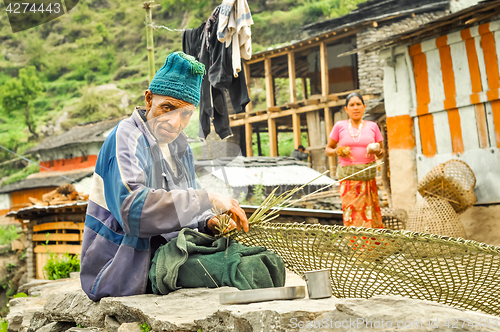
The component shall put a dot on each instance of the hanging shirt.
(168, 157)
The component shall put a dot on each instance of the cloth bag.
(194, 259)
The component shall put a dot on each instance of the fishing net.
(367, 262)
(453, 180)
(436, 216)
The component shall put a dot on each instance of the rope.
(154, 26)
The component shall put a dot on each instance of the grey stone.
(111, 324)
(47, 328)
(76, 307)
(56, 327)
(130, 327)
(192, 309)
(74, 275)
(85, 329)
(37, 321)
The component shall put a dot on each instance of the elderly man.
(144, 187)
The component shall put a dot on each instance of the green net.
(366, 262)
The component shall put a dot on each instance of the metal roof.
(26, 212)
(462, 19)
(269, 176)
(52, 180)
(79, 134)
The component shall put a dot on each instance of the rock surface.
(62, 306)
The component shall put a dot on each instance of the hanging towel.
(235, 20)
(194, 259)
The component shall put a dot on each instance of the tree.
(18, 94)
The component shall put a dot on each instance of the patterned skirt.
(360, 203)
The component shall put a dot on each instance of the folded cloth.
(195, 259)
(368, 174)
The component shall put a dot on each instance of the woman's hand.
(375, 149)
(343, 151)
(230, 205)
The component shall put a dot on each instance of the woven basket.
(365, 262)
(394, 219)
(435, 215)
(453, 180)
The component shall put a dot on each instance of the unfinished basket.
(456, 272)
(453, 180)
(436, 216)
(394, 219)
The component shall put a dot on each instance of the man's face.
(167, 117)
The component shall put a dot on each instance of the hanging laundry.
(234, 28)
(202, 43)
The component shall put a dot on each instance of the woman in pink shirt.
(349, 140)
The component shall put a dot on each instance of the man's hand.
(214, 222)
(230, 205)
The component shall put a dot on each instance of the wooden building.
(323, 78)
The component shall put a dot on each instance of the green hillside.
(91, 64)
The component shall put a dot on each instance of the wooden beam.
(323, 54)
(302, 45)
(304, 87)
(259, 145)
(291, 77)
(273, 141)
(269, 83)
(304, 109)
(329, 126)
(297, 134)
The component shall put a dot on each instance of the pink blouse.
(370, 133)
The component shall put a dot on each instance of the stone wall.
(370, 67)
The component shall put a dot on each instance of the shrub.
(59, 268)
(8, 234)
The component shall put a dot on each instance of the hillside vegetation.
(91, 63)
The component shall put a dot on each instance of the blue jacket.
(135, 196)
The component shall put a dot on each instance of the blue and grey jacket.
(136, 196)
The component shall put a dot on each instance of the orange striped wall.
(69, 164)
(486, 57)
(400, 132)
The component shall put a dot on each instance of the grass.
(8, 234)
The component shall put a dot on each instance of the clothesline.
(153, 25)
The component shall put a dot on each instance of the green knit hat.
(180, 78)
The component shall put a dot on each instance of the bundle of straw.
(272, 205)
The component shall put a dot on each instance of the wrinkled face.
(355, 108)
(167, 117)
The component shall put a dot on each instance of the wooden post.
(269, 83)
(150, 40)
(248, 109)
(325, 85)
(271, 123)
(297, 135)
(291, 76)
(259, 145)
(273, 141)
(304, 87)
(325, 90)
